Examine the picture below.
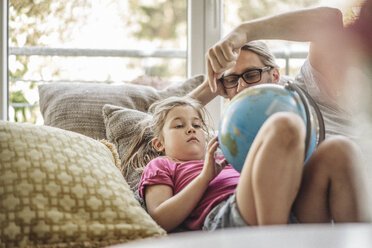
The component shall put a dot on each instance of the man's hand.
(223, 55)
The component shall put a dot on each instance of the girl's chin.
(191, 157)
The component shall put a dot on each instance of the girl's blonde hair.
(142, 152)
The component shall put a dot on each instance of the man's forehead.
(246, 60)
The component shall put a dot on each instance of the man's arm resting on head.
(203, 93)
(311, 24)
(322, 27)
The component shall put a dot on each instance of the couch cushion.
(62, 189)
(78, 107)
(123, 127)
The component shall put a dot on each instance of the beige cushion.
(62, 189)
(78, 107)
(123, 127)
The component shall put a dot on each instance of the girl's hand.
(212, 168)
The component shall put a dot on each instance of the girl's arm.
(169, 210)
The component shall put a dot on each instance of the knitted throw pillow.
(78, 106)
(62, 189)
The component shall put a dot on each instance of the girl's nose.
(191, 130)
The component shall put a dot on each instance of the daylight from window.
(114, 41)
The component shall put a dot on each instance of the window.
(109, 41)
(92, 41)
(114, 41)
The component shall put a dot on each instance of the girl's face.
(183, 137)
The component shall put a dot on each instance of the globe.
(246, 113)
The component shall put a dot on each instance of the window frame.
(4, 75)
(205, 21)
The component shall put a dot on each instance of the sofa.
(64, 184)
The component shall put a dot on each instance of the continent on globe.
(230, 142)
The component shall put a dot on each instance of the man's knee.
(340, 148)
(287, 128)
(338, 151)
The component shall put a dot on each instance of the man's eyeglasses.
(250, 76)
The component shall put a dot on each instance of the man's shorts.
(226, 214)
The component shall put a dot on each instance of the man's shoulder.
(284, 79)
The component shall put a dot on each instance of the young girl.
(187, 184)
(187, 181)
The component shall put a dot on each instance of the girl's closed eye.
(176, 123)
(197, 123)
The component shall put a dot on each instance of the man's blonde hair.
(262, 50)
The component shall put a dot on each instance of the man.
(330, 186)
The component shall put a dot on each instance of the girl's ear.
(158, 144)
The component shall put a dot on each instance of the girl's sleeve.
(157, 171)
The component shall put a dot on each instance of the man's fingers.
(221, 164)
(221, 60)
(226, 56)
(214, 59)
(211, 80)
(229, 53)
(219, 63)
(224, 162)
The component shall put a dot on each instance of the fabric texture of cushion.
(78, 106)
(62, 189)
(123, 127)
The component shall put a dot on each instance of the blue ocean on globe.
(245, 115)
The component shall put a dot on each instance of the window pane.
(132, 28)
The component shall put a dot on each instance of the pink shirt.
(178, 175)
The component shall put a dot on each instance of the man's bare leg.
(272, 172)
(332, 185)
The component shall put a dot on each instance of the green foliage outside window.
(30, 25)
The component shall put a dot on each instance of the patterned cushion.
(62, 189)
(123, 126)
(78, 106)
